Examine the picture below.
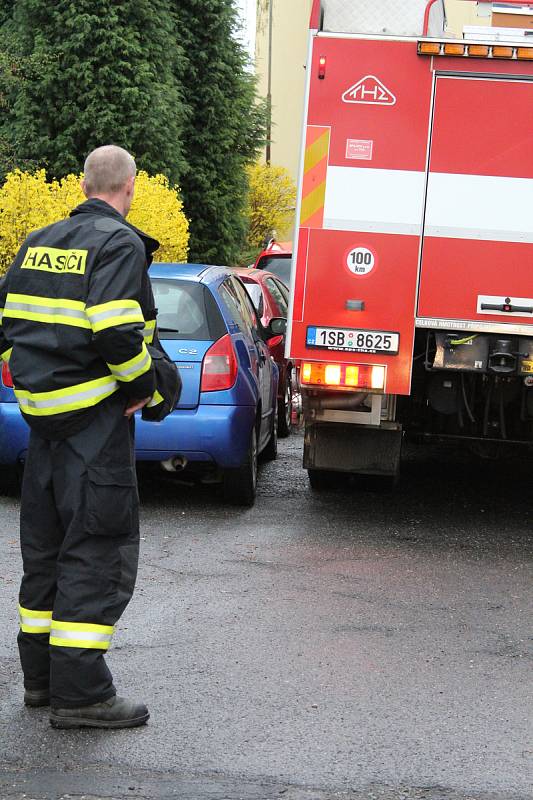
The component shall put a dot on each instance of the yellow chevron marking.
(316, 151)
(313, 202)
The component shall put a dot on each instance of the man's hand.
(135, 405)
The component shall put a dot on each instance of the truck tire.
(240, 485)
(321, 480)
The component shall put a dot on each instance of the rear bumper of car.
(217, 434)
(14, 434)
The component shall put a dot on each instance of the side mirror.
(278, 326)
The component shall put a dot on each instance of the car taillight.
(219, 370)
(7, 380)
(274, 341)
(360, 376)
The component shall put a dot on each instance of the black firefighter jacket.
(77, 315)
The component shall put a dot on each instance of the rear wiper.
(167, 330)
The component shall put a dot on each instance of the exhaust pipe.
(174, 464)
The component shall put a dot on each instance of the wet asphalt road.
(350, 645)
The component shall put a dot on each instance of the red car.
(276, 258)
(270, 297)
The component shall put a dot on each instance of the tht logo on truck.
(369, 91)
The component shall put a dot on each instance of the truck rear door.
(362, 199)
(478, 229)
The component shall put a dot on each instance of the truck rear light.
(353, 376)
(322, 68)
(377, 380)
(332, 374)
(219, 370)
(7, 380)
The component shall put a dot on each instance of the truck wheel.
(240, 485)
(321, 480)
(285, 410)
(270, 453)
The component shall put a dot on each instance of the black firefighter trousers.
(80, 549)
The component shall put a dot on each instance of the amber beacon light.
(466, 50)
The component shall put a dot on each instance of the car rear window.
(187, 310)
(280, 266)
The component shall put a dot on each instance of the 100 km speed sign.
(360, 261)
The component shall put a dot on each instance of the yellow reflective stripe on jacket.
(6, 355)
(134, 368)
(149, 331)
(35, 621)
(116, 312)
(46, 309)
(81, 634)
(156, 399)
(73, 398)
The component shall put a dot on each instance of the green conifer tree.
(110, 74)
(223, 130)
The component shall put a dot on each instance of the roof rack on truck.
(382, 17)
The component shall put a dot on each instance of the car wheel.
(240, 485)
(270, 453)
(321, 479)
(11, 480)
(285, 410)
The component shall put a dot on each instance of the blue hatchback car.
(227, 413)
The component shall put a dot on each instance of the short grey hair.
(107, 169)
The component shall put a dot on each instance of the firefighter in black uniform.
(77, 314)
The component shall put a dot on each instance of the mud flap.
(358, 449)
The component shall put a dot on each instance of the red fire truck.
(412, 277)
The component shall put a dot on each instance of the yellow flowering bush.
(157, 209)
(271, 202)
(28, 201)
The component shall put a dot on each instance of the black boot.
(117, 712)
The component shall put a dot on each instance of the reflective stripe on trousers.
(35, 621)
(81, 634)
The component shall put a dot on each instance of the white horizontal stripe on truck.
(481, 207)
(374, 200)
